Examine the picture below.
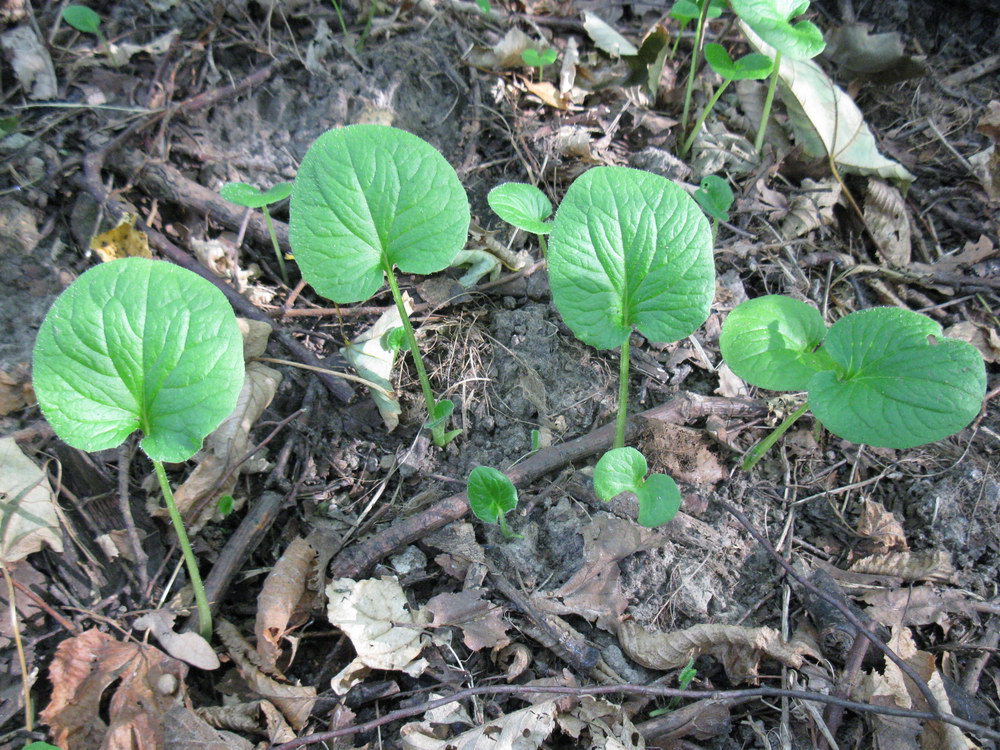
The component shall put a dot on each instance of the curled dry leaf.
(514, 660)
(150, 683)
(375, 615)
(812, 208)
(294, 701)
(918, 605)
(886, 219)
(189, 647)
(258, 717)
(521, 730)
(481, 622)
(279, 597)
(27, 506)
(927, 565)
(740, 649)
(880, 529)
(185, 729)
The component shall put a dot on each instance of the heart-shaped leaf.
(491, 494)
(139, 344)
(630, 249)
(537, 59)
(771, 20)
(771, 342)
(370, 197)
(250, 197)
(624, 470)
(659, 500)
(524, 206)
(715, 196)
(686, 11)
(898, 382)
(752, 67)
(82, 18)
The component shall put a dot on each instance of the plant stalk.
(543, 244)
(689, 89)
(204, 612)
(756, 453)
(437, 433)
(277, 247)
(758, 143)
(622, 420)
(15, 626)
(701, 118)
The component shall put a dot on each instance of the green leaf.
(619, 470)
(9, 124)
(82, 18)
(40, 746)
(524, 206)
(771, 342)
(537, 59)
(369, 197)
(491, 494)
(686, 10)
(898, 381)
(630, 248)
(250, 197)
(770, 19)
(659, 500)
(715, 197)
(225, 505)
(394, 339)
(138, 344)
(442, 410)
(752, 67)
(484, 6)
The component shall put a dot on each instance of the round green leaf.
(82, 18)
(250, 197)
(752, 67)
(771, 20)
(619, 470)
(686, 10)
(659, 500)
(771, 342)
(524, 206)
(630, 248)
(138, 344)
(898, 381)
(491, 494)
(537, 59)
(442, 411)
(369, 197)
(715, 197)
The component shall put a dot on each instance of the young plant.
(491, 496)
(705, 9)
(624, 470)
(883, 376)
(771, 21)
(749, 67)
(138, 344)
(83, 19)
(539, 60)
(715, 198)
(369, 199)
(525, 207)
(250, 197)
(630, 250)
(686, 11)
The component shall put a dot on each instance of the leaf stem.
(756, 453)
(699, 33)
(622, 419)
(204, 612)
(437, 432)
(758, 143)
(701, 118)
(543, 244)
(277, 247)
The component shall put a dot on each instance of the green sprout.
(250, 197)
(686, 11)
(715, 197)
(705, 9)
(525, 207)
(491, 496)
(539, 60)
(83, 19)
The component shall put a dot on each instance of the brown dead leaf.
(27, 506)
(15, 389)
(594, 591)
(811, 208)
(255, 717)
(514, 660)
(504, 54)
(740, 649)
(607, 725)
(184, 730)
(520, 730)
(549, 94)
(731, 385)
(886, 219)
(986, 164)
(926, 565)
(188, 647)
(684, 453)
(279, 597)
(920, 605)
(970, 254)
(874, 57)
(84, 667)
(881, 531)
(481, 622)
(982, 336)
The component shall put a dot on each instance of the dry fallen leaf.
(684, 453)
(521, 730)
(607, 725)
(149, 684)
(281, 593)
(927, 565)
(185, 730)
(811, 208)
(122, 241)
(982, 336)
(27, 506)
(30, 61)
(740, 649)
(880, 529)
(188, 647)
(15, 389)
(257, 717)
(887, 220)
(481, 622)
(918, 605)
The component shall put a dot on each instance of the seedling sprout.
(705, 9)
(715, 197)
(250, 197)
(624, 470)
(539, 60)
(491, 496)
(83, 19)
(525, 207)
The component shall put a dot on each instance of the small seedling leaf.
(9, 124)
(771, 342)
(394, 339)
(659, 500)
(250, 197)
(630, 249)
(484, 6)
(225, 505)
(40, 746)
(770, 19)
(524, 206)
(491, 494)
(82, 18)
(715, 196)
(537, 59)
(619, 470)
(752, 67)
(139, 344)
(442, 411)
(685, 11)
(369, 197)
(899, 382)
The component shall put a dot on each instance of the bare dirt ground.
(759, 585)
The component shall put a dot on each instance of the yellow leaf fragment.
(124, 241)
